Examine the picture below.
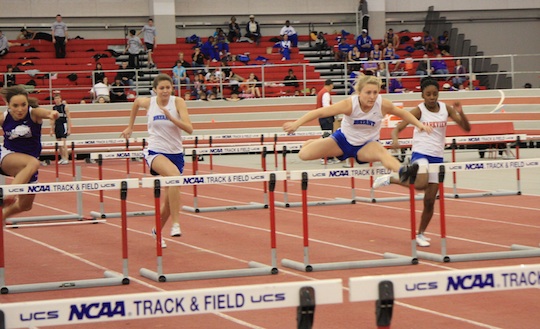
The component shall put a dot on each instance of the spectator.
(460, 72)
(291, 80)
(376, 53)
(133, 48)
(197, 58)
(253, 30)
(222, 43)
(101, 92)
(126, 75)
(428, 43)
(396, 86)
(438, 65)
(234, 81)
(364, 43)
(27, 34)
(291, 32)
(324, 99)
(98, 73)
(60, 36)
(183, 62)
(369, 67)
(10, 76)
(251, 86)
(199, 86)
(284, 47)
(234, 30)
(149, 36)
(342, 51)
(321, 44)
(118, 91)
(389, 53)
(443, 43)
(4, 44)
(180, 76)
(354, 55)
(423, 67)
(390, 37)
(363, 10)
(382, 74)
(209, 49)
(61, 127)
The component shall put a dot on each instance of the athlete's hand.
(289, 127)
(126, 133)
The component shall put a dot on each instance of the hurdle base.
(397, 261)
(256, 269)
(389, 199)
(17, 220)
(250, 206)
(110, 279)
(100, 215)
(329, 202)
(517, 251)
(480, 194)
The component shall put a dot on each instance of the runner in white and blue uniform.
(167, 118)
(360, 129)
(427, 148)
(19, 154)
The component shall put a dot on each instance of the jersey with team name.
(360, 127)
(431, 144)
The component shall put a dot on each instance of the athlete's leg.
(319, 148)
(171, 205)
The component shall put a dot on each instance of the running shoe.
(175, 230)
(383, 180)
(407, 171)
(422, 241)
(163, 244)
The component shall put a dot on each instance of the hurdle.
(256, 268)
(516, 251)
(227, 150)
(111, 278)
(116, 155)
(129, 307)
(453, 142)
(385, 289)
(389, 259)
(78, 216)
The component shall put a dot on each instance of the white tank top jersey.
(164, 136)
(360, 128)
(431, 144)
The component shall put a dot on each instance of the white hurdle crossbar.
(116, 155)
(384, 289)
(111, 278)
(132, 307)
(389, 259)
(517, 251)
(255, 268)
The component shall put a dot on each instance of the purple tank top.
(22, 136)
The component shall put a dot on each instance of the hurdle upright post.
(73, 157)
(56, 164)
(454, 174)
(3, 289)
(518, 171)
(127, 159)
(285, 191)
(442, 210)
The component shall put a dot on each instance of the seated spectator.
(126, 75)
(98, 73)
(234, 81)
(27, 34)
(354, 55)
(234, 97)
(342, 50)
(376, 54)
(443, 43)
(253, 30)
(222, 43)
(291, 80)
(251, 87)
(370, 67)
(423, 67)
(118, 91)
(11, 79)
(438, 65)
(365, 44)
(183, 62)
(234, 30)
(396, 86)
(210, 49)
(390, 37)
(428, 43)
(197, 58)
(180, 76)
(199, 86)
(461, 73)
(389, 53)
(100, 92)
(284, 47)
(382, 73)
(4, 44)
(290, 32)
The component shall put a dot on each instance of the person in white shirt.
(290, 32)
(427, 148)
(359, 134)
(101, 90)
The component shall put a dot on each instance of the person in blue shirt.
(180, 76)
(364, 43)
